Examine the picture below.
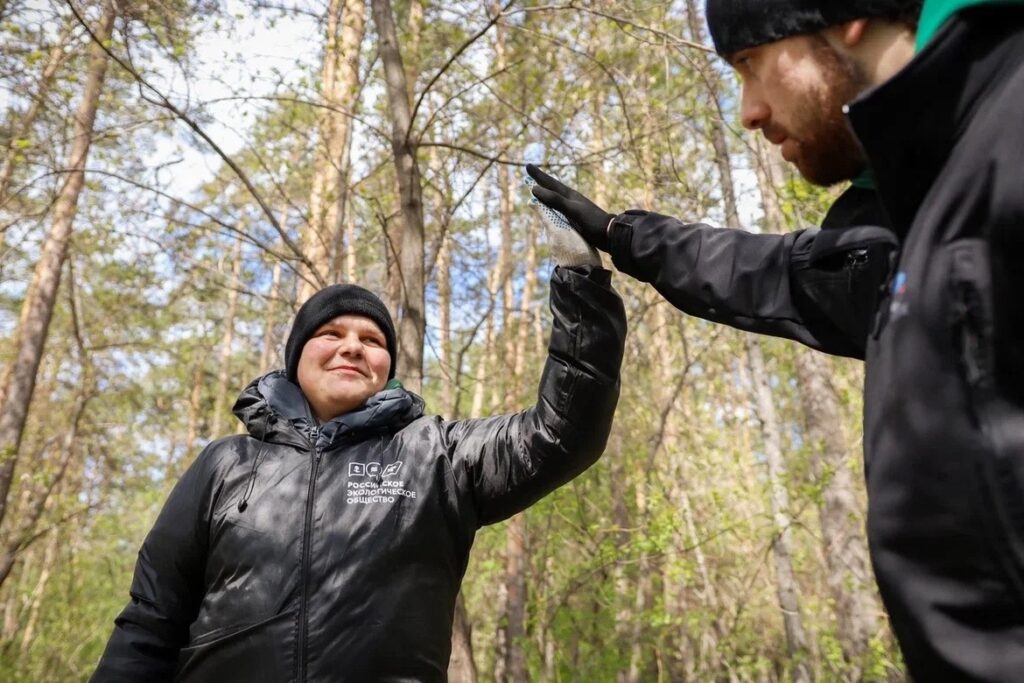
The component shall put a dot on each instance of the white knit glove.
(568, 248)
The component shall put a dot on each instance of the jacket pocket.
(845, 277)
(262, 651)
(1000, 423)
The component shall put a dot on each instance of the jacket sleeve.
(506, 463)
(166, 589)
(818, 287)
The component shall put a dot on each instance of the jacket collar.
(935, 13)
(909, 125)
(274, 409)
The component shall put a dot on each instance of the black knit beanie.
(738, 24)
(327, 304)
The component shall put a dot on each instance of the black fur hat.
(738, 24)
(327, 304)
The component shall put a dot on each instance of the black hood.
(274, 409)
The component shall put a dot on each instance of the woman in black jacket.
(330, 542)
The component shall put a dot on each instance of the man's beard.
(829, 152)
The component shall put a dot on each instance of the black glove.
(586, 217)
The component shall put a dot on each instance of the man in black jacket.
(933, 304)
(329, 544)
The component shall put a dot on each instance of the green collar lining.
(865, 181)
(935, 13)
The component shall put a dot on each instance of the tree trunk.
(850, 579)
(787, 589)
(224, 371)
(195, 404)
(37, 499)
(414, 27)
(350, 242)
(411, 325)
(786, 585)
(444, 296)
(719, 141)
(346, 25)
(488, 353)
(515, 600)
(660, 446)
(28, 633)
(461, 667)
(526, 303)
(16, 542)
(267, 355)
(516, 557)
(55, 58)
(37, 311)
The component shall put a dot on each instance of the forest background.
(177, 175)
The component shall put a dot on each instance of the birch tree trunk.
(786, 585)
(411, 325)
(849, 575)
(787, 590)
(34, 324)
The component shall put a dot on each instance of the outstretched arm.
(504, 464)
(818, 287)
(728, 276)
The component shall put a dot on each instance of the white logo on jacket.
(372, 469)
(378, 489)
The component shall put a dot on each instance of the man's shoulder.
(984, 169)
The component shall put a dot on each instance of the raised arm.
(506, 463)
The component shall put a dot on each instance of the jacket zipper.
(855, 262)
(307, 532)
(884, 297)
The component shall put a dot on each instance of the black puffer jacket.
(335, 552)
(935, 305)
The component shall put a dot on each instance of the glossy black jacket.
(335, 552)
(935, 306)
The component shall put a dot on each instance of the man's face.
(794, 91)
(345, 362)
